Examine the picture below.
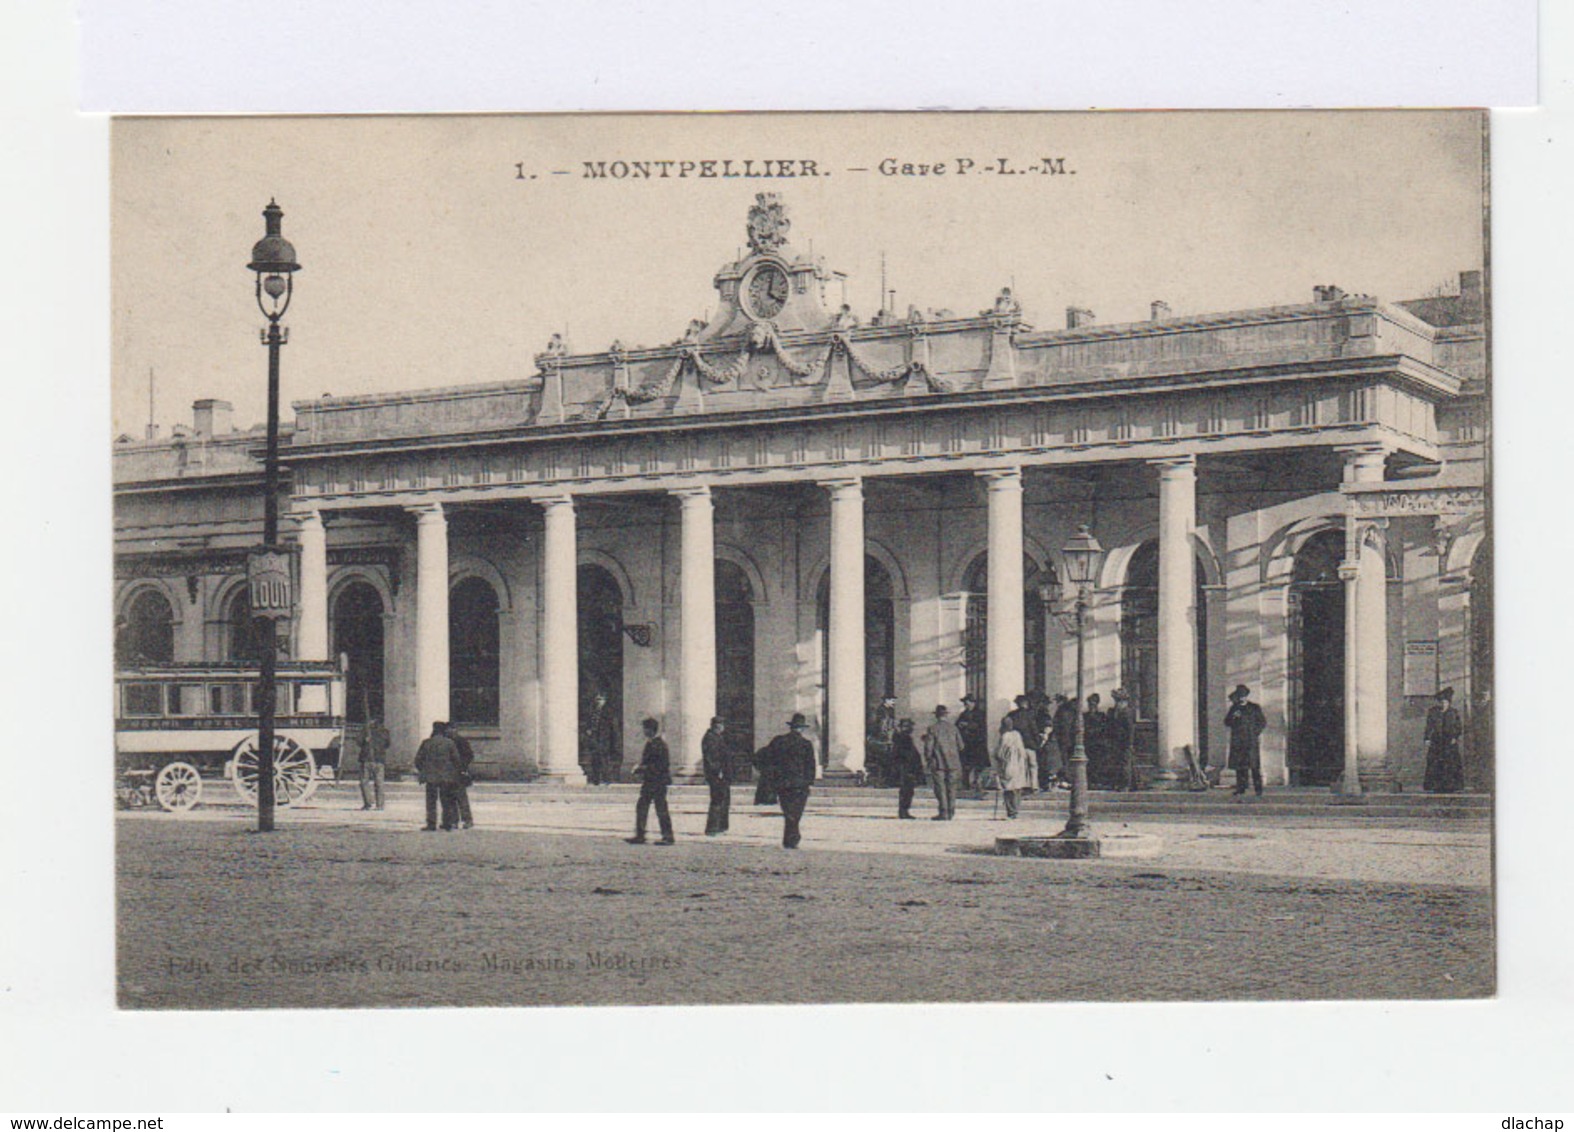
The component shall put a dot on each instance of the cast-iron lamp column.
(273, 261)
(1082, 556)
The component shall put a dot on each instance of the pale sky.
(427, 262)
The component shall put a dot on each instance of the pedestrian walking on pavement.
(943, 762)
(787, 763)
(909, 768)
(466, 779)
(374, 764)
(1011, 766)
(655, 775)
(1246, 723)
(437, 766)
(1445, 770)
(716, 760)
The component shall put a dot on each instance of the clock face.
(766, 291)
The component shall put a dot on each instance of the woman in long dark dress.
(1445, 771)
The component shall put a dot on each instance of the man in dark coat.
(1093, 744)
(1445, 770)
(599, 738)
(943, 761)
(462, 787)
(907, 766)
(716, 760)
(1119, 735)
(787, 763)
(1246, 724)
(655, 775)
(437, 765)
(1065, 734)
(374, 764)
(974, 729)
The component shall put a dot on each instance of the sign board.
(268, 584)
(1420, 668)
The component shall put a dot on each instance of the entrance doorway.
(601, 647)
(735, 661)
(1139, 651)
(1316, 647)
(975, 635)
(358, 635)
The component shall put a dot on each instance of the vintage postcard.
(794, 558)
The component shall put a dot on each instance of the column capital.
(1001, 479)
(1174, 465)
(427, 512)
(552, 502)
(308, 515)
(689, 495)
(1364, 463)
(844, 486)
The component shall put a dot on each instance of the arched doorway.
(1316, 662)
(1139, 650)
(975, 637)
(146, 632)
(600, 648)
(357, 625)
(1480, 765)
(879, 639)
(735, 657)
(473, 653)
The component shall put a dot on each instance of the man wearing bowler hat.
(943, 761)
(787, 762)
(1246, 723)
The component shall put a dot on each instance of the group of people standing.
(442, 763)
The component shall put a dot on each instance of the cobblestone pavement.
(545, 904)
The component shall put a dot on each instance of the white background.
(63, 1046)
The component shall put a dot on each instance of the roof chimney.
(1470, 286)
(1158, 310)
(213, 417)
(1078, 317)
(1328, 294)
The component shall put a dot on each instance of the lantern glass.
(273, 285)
(1082, 556)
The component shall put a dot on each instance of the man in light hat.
(943, 761)
(1246, 724)
(787, 762)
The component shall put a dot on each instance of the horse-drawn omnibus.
(178, 725)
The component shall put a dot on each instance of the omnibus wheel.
(294, 771)
(178, 787)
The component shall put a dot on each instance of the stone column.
(1005, 643)
(845, 680)
(559, 645)
(431, 617)
(1366, 632)
(1177, 612)
(312, 639)
(697, 627)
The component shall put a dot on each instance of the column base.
(556, 777)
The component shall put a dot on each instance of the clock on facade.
(765, 292)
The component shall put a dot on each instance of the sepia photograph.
(740, 559)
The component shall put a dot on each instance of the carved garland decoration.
(764, 339)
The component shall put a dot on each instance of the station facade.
(789, 509)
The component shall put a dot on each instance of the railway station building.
(791, 508)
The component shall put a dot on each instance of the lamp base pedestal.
(1057, 848)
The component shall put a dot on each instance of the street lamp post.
(273, 261)
(1082, 555)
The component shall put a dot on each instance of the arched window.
(242, 643)
(1316, 668)
(975, 637)
(146, 633)
(473, 651)
(358, 635)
